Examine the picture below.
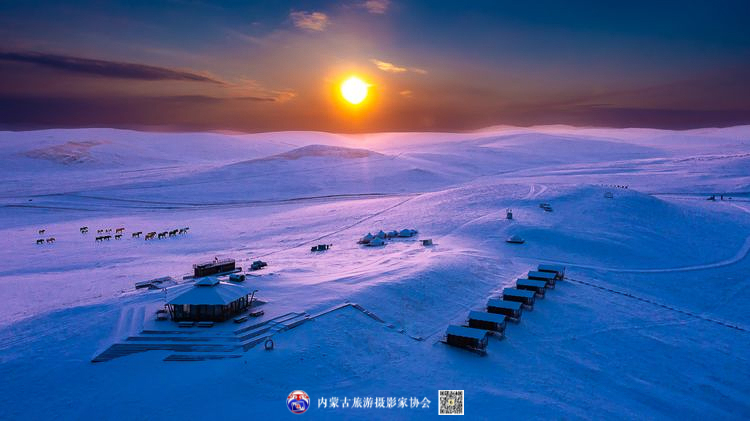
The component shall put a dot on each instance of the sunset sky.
(432, 65)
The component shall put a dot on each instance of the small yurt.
(366, 239)
(380, 234)
(375, 242)
(407, 233)
(392, 234)
(515, 239)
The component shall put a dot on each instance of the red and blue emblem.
(298, 402)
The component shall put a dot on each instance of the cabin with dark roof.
(467, 337)
(548, 277)
(487, 321)
(558, 270)
(213, 268)
(520, 296)
(539, 287)
(510, 309)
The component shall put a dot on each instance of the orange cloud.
(377, 7)
(392, 68)
(388, 67)
(314, 21)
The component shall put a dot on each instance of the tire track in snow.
(656, 303)
(352, 225)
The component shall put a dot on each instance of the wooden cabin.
(208, 300)
(467, 337)
(520, 296)
(214, 267)
(487, 321)
(548, 277)
(539, 287)
(558, 270)
(509, 309)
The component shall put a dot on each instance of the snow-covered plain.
(653, 323)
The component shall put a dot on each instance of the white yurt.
(515, 239)
(406, 233)
(375, 242)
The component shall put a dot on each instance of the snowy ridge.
(650, 324)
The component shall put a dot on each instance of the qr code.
(451, 402)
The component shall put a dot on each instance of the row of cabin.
(382, 235)
(481, 324)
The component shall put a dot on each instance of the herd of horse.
(137, 234)
(118, 233)
(164, 234)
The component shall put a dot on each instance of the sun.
(354, 90)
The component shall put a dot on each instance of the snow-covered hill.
(650, 325)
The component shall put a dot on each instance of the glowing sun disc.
(354, 90)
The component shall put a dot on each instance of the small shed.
(558, 270)
(258, 265)
(515, 239)
(214, 267)
(237, 277)
(509, 309)
(487, 321)
(320, 247)
(520, 296)
(207, 299)
(467, 337)
(427, 242)
(539, 287)
(548, 277)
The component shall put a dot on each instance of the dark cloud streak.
(104, 68)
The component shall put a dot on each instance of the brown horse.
(40, 241)
(50, 240)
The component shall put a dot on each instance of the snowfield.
(652, 324)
